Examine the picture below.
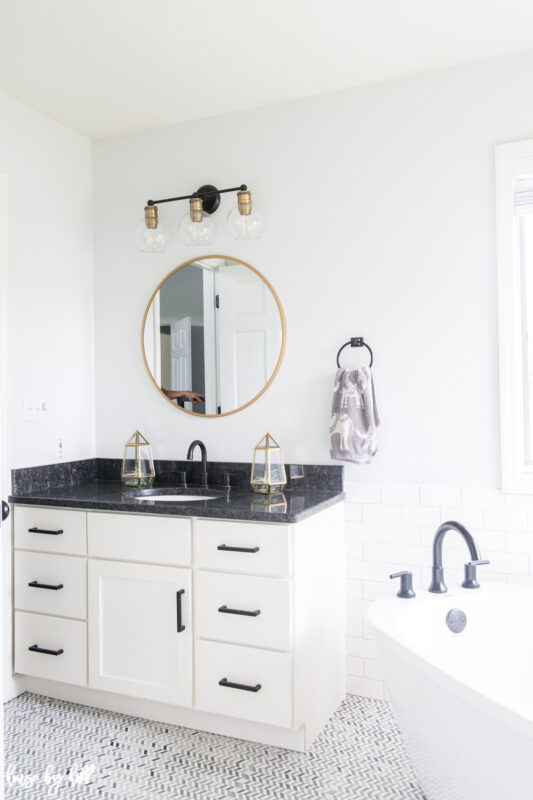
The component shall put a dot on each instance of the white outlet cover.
(59, 447)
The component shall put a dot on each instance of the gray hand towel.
(354, 417)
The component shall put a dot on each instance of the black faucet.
(437, 584)
(190, 451)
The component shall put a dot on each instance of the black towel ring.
(356, 341)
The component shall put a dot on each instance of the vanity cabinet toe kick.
(212, 624)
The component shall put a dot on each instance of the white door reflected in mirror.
(514, 205)
(213, 335)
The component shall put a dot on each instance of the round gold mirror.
(213, 336)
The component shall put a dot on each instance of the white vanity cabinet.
(226, 626)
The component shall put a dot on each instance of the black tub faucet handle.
(406, 584)
(470, 581)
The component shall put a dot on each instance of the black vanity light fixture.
(197, 227)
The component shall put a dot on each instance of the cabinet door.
(140, 638)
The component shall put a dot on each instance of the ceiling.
(104, 67)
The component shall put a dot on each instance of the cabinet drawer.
(271, 703)
(51, 530)
(140, 537)
(51, 633)
(264, 605)
(242, 547)
(61, 584)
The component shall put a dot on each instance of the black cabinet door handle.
(5, 511)
(42, 530)
(226, 610)
(244, 686)
(36, 649)
(238, 549)
(179, 622)
(37, 585)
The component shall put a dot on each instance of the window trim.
(517, 475)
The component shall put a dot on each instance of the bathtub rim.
(496, 703)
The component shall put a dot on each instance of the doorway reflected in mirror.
(213, 335)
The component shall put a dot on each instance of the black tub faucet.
(437, 584)
(190, 452)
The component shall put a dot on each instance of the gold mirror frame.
(281, 352)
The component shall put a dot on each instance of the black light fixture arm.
(203, 191)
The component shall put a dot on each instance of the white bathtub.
(464, 702)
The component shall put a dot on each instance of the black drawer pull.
(42, 530)
(36, 649)
(238, 549)
(179, 622)
(226, 610)
(37, 585)
(243, 686)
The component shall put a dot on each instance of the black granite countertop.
(238, 503)
(93, 484)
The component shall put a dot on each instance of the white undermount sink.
(170, 496)
(177, 498)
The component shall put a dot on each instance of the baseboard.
(289, 739)
(14, 686)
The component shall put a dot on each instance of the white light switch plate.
(35, 407)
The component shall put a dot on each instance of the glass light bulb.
(197, 233)
(245, 226)
(152, 240)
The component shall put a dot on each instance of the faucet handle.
(406, 584)
(225, 482)
(470, 581)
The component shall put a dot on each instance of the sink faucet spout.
(190, 456)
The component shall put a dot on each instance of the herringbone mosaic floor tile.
(358, 756)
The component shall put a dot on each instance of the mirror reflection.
(213, 335)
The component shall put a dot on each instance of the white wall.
(47, 303)
(51, 305)
(379, 206)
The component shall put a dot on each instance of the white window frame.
(513, 159)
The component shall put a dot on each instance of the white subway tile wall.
(390, 527)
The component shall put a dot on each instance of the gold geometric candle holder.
(137, 464)
(268, 468)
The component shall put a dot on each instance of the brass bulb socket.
(244, 202)
(196, 209)
(150, 217)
